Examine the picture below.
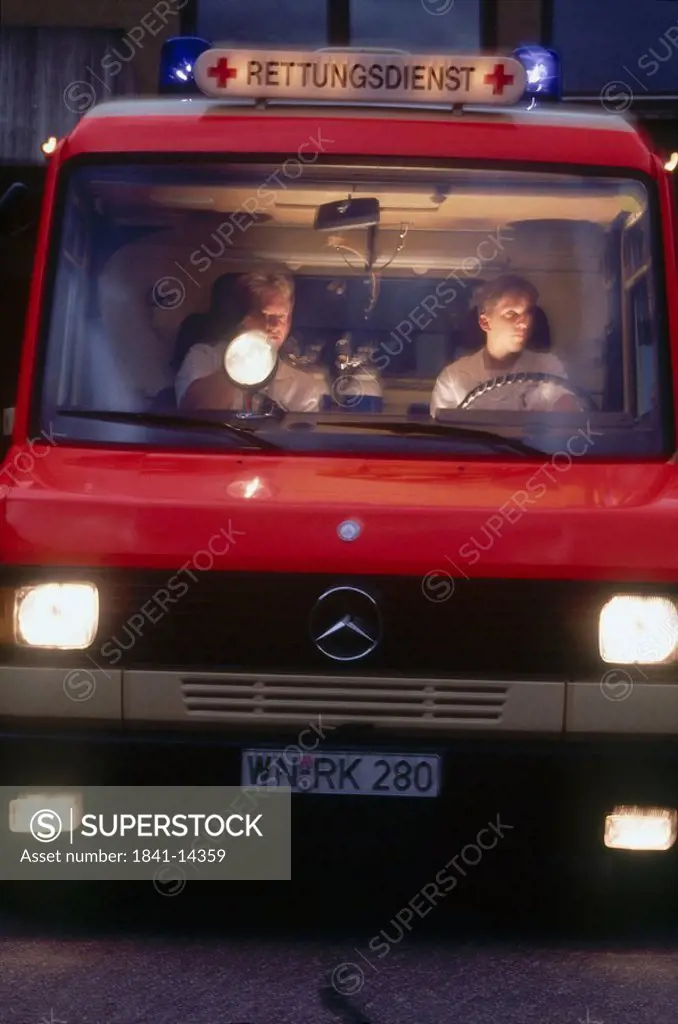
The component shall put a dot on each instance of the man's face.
(277, 313)
(508, 325)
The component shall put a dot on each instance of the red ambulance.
(344, 456)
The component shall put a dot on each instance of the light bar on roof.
(354, 76)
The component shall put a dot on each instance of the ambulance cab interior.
(142, 247)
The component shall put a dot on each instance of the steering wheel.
(512, 379)
(264, 407)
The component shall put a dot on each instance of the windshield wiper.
(149, 419)
(496, 441)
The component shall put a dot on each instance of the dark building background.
(629, 41)
(47, 77)
(392, 23)
(622, 54)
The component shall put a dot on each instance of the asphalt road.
(186, 959)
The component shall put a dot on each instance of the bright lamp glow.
(641, 828)
(638, 630)
(671, 164)
(250, 359)
(49, 145)
(57, 615)
(543, 71)
(177, 60)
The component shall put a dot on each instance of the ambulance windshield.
(397, 300)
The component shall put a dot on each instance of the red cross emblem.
(221, 72)
(498, 80)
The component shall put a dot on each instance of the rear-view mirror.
(346, 214)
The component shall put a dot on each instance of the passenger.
(258, 300)
(506, 309)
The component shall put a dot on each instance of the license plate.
(344, 772)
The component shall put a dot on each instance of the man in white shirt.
(202, 382)
(506, 315)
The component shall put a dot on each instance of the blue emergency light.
(177, 61)
(542, 66)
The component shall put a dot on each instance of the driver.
(262, 300)
(506, 315)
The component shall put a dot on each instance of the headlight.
(61, 615)
(638, 630)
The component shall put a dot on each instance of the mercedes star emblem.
(345, 624)
(349, 529)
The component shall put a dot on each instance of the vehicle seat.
(541, 334)
(136, 329)
(192, 331)
(107, 381)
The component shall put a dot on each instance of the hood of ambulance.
(282, 513)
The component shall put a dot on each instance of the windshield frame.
(39, 416)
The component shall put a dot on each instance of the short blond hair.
(261, 285)
(236, 296)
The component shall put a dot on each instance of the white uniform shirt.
(460, 377)
(291, 388)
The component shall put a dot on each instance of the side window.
(67, 371)
(642, 334)
(641, 337)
